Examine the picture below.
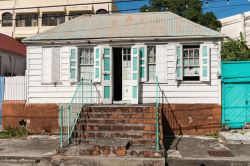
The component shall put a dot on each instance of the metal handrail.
(70, 114)
(157, 115)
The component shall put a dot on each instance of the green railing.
(86, 93)
(157, 116)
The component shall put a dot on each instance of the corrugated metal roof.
(11, 45)
(132, 25)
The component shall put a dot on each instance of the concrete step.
(111, 148)
(247, 126)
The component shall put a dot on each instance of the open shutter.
(143, 63)
(47, 66)
(107, 75)
(56, 64)
(161, 63)
(204, 62)
(97, 64)
(179, 63)
(135, 74)
(73, 64)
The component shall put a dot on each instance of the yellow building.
(23, 18)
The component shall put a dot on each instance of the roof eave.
(128, 38)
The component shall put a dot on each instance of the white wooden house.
(123, 54)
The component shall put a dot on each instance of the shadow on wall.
(170, 128)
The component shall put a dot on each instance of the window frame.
(49, 18)
(85, 65)
(28, 19)
(150, 63)
(8, 21)
(191, 78)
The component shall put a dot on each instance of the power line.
(95, 3)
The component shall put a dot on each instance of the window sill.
(192, 82)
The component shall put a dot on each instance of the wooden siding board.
(186, 92)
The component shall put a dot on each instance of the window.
(53, 19)
(151, 51)
(86, 65)
(28, 20)
(126, 54)
(7, 20)
(191, 64)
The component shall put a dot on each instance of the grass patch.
(14, 133)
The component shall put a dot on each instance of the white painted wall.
(12, 63)
(41, 93)
(185, 92)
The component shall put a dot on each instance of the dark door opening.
(117, 73)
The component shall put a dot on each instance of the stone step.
(115, 134)
(116, 109)
(134, 141)
(118, 115)
(116, 121)
(121, 127)
(111, 148)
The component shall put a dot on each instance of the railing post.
(69, 110)
(91, 102)
(61, 126)
(82, 91)
(157, 115)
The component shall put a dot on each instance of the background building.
(12, 57)
(233, 25)
(20, 20)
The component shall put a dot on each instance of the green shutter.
(179, 63)
(97, 64)
(143, 63)
(205, 62)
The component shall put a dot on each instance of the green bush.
(14, 133)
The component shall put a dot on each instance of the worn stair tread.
(118, 131)
(117, 124)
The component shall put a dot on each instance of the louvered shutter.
(97, 64)
(135, 74)
(179, 63)
(205, 63)
(107, 81)
(143, 63)
(73, 64)
(161, 63)
(47, 65)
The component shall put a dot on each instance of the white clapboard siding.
(61, 93)
(15, 88)
(189, 93)
(186, 92)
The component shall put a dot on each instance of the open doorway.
(122, 74)
(117, 73)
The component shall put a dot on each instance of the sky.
(220, 7)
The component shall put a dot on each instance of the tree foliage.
(235, 50)
(190, 9)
